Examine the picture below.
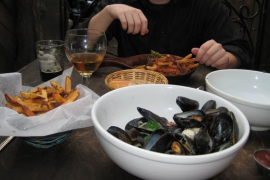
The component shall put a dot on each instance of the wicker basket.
(134, 77)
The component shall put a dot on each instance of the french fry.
(38, 108)
(58, 97)
(27, 95)
(72, 97)
(154, 67)
(171, 65)
(33, 90)
(42, 99)
(27, 111)
(49, 90)
(10, 99)
(188, 56)
(44, 94)
(57, 86)
(68, 84)
(182, 61)
(16, 108)
(141, 67)
(53, 104)
(193, 65)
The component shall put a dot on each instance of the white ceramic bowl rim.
(233, 98)
(160, 157)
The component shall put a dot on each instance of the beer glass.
(50, 54)
(85, 49)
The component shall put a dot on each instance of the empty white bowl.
(118, 107)
(248, 90)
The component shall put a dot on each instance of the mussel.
(187, 104)
(189, 119)
(193, 131)
(221, 128)
(120, 134)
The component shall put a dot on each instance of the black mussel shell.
(223, 109)
(188, 145)
(204, 142)
(120, 134)
(137, 123)
(187, 104)
(189, 119)
(211, 104)
(222, 128)
(159, 141)
(150, 116)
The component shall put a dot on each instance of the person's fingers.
(203, 49)
(204, 53)
(137, 24)
(208, 56)
(213, 56)
(222, 63)
(195, 51)
(130, 22)
(144, 26)
(123, 20)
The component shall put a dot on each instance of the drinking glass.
(51, 56)
(85, 49)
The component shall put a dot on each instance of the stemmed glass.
(85, 49)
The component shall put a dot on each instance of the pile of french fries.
(169, 65)
(42, 99)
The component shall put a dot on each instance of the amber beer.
(86, 63)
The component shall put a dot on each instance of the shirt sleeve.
(101, 5)
(221, 28)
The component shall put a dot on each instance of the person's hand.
(213, 54)
(132, 19)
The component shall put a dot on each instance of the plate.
(134, 61)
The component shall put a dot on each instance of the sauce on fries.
(170, 65)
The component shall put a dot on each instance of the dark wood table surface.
(82, 157)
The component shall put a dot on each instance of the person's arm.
(132, 19)
(223, 47)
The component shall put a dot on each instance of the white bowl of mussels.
(248, 90)
(157, 131)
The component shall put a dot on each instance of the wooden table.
(81, 156)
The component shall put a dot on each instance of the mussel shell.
(188, 145)
(150, 116)
(138, 123)
(189, 119)
(133, 134)
(211, 104)
(210, 115)
(177, 134)
(142, 137)
(223, 146)
(222, 128)
(186, 104)
(223, 109)
(203, 141)
(235, 133)
(159, 141)
(119, 134)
